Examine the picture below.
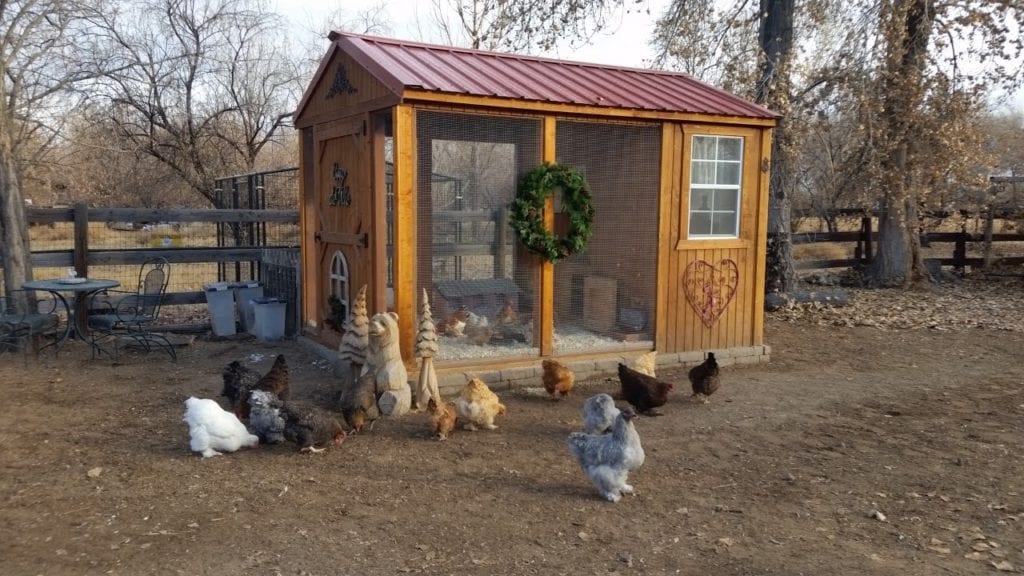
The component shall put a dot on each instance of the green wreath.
(527, 211)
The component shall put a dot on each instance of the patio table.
(80, 289)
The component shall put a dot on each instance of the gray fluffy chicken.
(705, 378)
(265, 418)
(599, 413)
(308, 427)
(607, 459)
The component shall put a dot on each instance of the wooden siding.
(369, 93)
(680, 328)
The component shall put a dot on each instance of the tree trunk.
(13, 225)
(776, 41)
(899, 259)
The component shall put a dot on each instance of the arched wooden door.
(343, 214)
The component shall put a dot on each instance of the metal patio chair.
(120, 318)
(25, 320)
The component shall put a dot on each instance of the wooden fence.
(81, 257)
(866, 239)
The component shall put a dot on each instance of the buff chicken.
(477, 406)
(558, 379)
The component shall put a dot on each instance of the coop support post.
(501, 241)
(405, 229)
(546, 326)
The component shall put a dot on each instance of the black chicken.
(644, 392)
(704, 378)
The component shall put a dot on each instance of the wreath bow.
(527, 211)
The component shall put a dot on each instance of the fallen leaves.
(964, 304)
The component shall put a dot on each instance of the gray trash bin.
(245, 293)
(220, 300)
(269, 316)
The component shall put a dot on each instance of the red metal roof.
(400, 64)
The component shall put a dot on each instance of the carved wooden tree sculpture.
(352, 349)
(426, 348)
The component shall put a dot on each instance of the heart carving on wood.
(710, 288)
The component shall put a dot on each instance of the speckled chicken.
(309, 427)
(442, 418)
(239, 381)
(599, 413)
(705, 378)
(558, 379)
(358, 404)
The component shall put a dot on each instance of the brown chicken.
(442, 418)
(308, 427)
(239, 381)
(704, 378)
(358, 404)
(558, 379)
(507, 314)
(644, 392)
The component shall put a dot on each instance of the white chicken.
(599, 413)
(608, 459)
(265, 418)
(214, 430)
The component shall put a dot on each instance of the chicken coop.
(411, 155)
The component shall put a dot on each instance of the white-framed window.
(716, 168)
(340, 281)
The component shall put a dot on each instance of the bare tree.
(200, 85)
(520, 26)
(39, 64)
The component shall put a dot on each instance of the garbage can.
(221, 303)
(245, 292)
(269, 316)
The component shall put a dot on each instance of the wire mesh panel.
(482, 286)
(605, 296)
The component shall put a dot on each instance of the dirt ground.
(857, 450)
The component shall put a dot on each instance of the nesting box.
(411, 154)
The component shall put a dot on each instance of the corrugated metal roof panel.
(403, 64)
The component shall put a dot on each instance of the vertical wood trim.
(547, 269)
(404, 121)
(378, 214)
(308, 162)
(665, 190)
(761, 235)
(674, 342)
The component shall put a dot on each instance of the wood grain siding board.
(316, 107)
(760, 247)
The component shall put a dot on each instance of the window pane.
(728, 173)
(700, 199)
(730, 148)
(703, 148)
(724, 224)
(700, 223)
(725, 200)
(703, 172)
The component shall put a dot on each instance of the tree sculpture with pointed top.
(426, 348)
(354, 343)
